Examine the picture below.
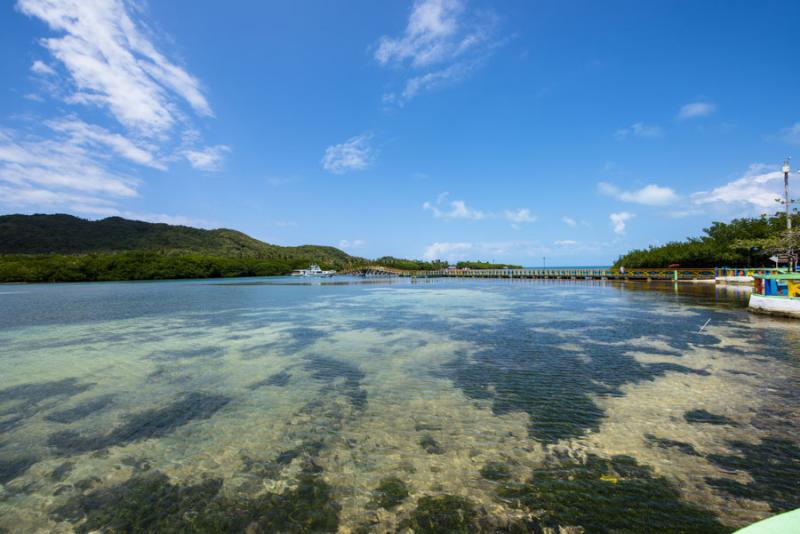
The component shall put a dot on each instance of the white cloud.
(433, 34)
(81, 133)
(355, 154)
(443, 39)
(113, 64)
(62, 163)
(569, 221)
(639, 129)
(455, 209)
(484, 250)
(25, 195)
(757, 188)
(521, 215)
(348, 244)
(458, 209)
(650, 195)
(428, 81)
(791, 134)
(446, 251)
(40, 67)
(208, 159)
(696, 109)
(566, 243)
(102, 56)
(618, 221)
(518, 217)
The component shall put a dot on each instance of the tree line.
(743, 242)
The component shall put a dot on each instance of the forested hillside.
(66, 234)
(48, 248)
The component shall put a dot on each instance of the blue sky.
(452, 129)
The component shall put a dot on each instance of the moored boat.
(776, 294)
(313, 270)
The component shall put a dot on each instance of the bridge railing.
(577, 273)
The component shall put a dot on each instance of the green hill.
(66, 234)
(43, 248)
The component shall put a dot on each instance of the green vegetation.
(65, 234)
(63, 248)
(135, 265)
(739, 243)
(485, 265)
(609, 496)
(704, 416)
(430, 445)
(411, 265)
(773, 469)
(152, 503)
(389, 493)
(445, 514)
(496, 471)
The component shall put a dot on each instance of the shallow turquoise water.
(284, 405)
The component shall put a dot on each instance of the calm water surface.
(446, 406)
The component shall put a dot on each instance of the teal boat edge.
(785, 523)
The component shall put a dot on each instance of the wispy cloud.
(355, 154)
(454, 209)
(483, 250)
(101, 57)
(112, 63)
(650, 195)
(443, 41)
(569, 221)
(40, 67)
(757, 188)
(639, 129)
(619, 220)
(518, 217)
(694, 110)
(447, 251)
(791, 134)
(348, 244)
(443, 208)
(83, 134)
(208, 159)
(62, 163)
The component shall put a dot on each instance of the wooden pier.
(678, 275)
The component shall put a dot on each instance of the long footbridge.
(680, 274)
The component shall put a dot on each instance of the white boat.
(776, 294)
(313, 270)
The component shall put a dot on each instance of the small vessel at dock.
(313, 270)
(776, 294)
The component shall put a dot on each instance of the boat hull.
(779, 306)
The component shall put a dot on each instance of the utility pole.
(786, 200)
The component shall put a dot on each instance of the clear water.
(283, 406)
